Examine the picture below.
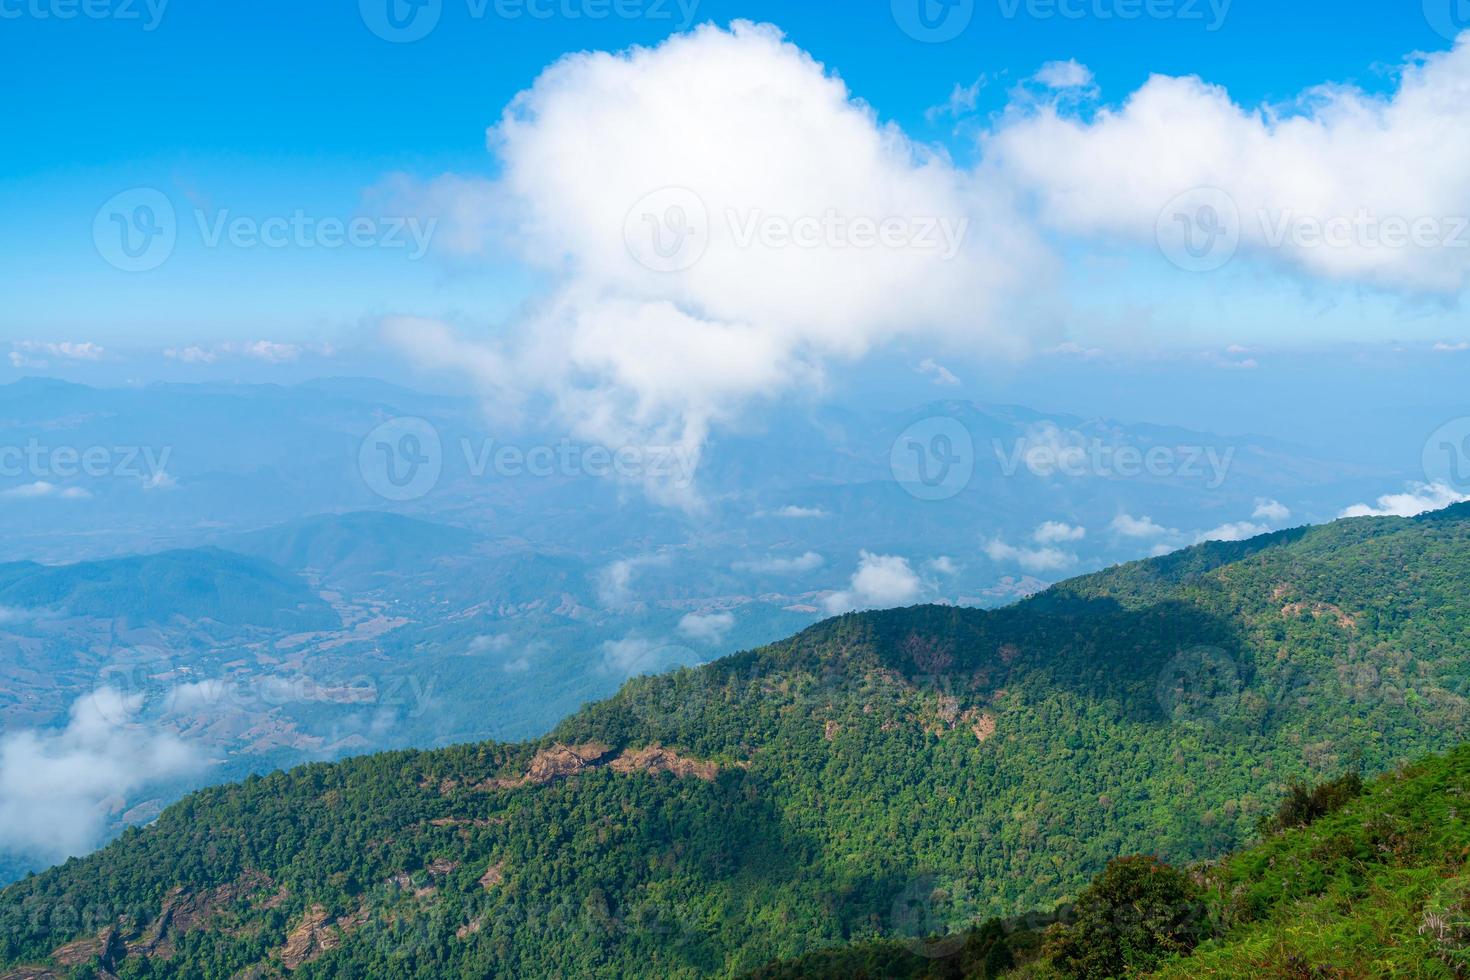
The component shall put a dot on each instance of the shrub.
(1305, 804)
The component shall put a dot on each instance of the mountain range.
(900, 773)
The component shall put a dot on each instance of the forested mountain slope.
(1351, 881)
(898, 772)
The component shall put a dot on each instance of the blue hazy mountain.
(227, 589)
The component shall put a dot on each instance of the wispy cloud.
(1418, 499)
(707, 627)
(1035, 560)
(58, 788)
(938, 373)
(44, 488)
(808, 562)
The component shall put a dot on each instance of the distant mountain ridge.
(890, 773)
(200, 583)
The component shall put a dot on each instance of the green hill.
(1373, 884)
(906, 772)
(201, 583)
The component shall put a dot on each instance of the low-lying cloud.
(59, 789)
(881, 581)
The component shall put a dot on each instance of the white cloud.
(1139, 527)
(159, 481)
(793, 511)
(753, 129)
(962, 101)
(1446, 348)
(1034, 560)
(1065, 75)
(707, 627)
(1056, 532)
(43, 488)
(199, 696)
(1271, 511)
(943, 565)
(1418, 499)
(193, 354)
(880, 581)
(1365, 167)
(937, 372)
(1071, 348)
(615, 581)
(67, 349)
(57, 787)
(270, 351)
(636, 655)
(1237, 531)
(486, 643)
(808, 562)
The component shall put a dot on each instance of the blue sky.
(269, 108)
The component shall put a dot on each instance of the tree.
(1137, 913)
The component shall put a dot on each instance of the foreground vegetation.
(883, 777)
(1362, 882)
